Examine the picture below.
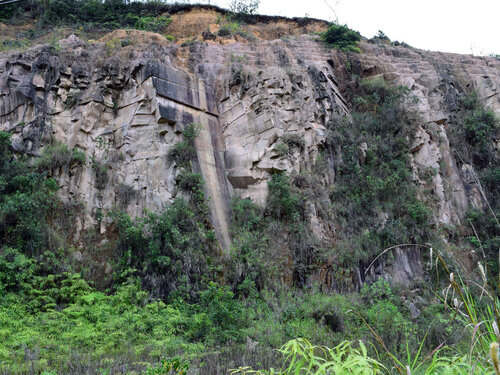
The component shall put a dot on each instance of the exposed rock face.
(125, 108)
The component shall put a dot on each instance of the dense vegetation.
(341, 37)
(109, 14)
(173, 302)
(473, 141)
(375, 197)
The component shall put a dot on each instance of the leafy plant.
(341, 37)
(223, 311)
(300, 356)
(170, 250)
(282, 149)
(282, 202)
(168, 367)
(57, 155)
(184, 152)
(374, 174)
(290, 142)
(154, 24)
(91, 14)
(243, 9)
(26, 199)
(101, 173)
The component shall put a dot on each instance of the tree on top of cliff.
(341, 37)
(244, 6)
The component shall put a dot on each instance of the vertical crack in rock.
(199, 106)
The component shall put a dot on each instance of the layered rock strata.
(126, 108)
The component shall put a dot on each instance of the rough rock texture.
(125, 107)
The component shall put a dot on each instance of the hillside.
(219, 187)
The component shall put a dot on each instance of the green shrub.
(193, 183)
(171, 250)
(16, 270)
(282, 203)
(57, 155)
(379, 178)
(245, 215)
(473, 139)
(249, 267)
(473, 135)
(101, 173)
(341, 37)
(154, 24)
(282, 149)
(224, 30)
(480, 126)
(93, 329)
(26, 199)
(190, 181)
(292, 142)
(78, 156)
(168, 367)
(223, 311)
(300, 356)
(184, 152)
(380, 38)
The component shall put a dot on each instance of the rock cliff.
(125, 105)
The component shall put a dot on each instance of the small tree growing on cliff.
(341, 37)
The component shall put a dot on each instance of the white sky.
(461, 26)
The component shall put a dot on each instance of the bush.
(16, 270)
(170, 250)
(245, 215)
(282, 149)
(57, 155)
(224, 30)
(380, 38)
(474, 134)
(184, 152)
(294, 141)
(282, 203)
(249, 267)
(193, 183)
(101, 173)
(223, 311)
(154, 24)
(341, 37)
(26, 199)
(379, 178)
(91, 331)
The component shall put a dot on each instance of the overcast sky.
(460, 26)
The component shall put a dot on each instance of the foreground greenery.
(173, 303)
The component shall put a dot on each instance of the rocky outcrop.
(126, 106)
